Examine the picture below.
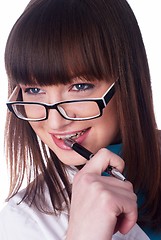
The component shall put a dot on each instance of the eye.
(82, 86)
(33, 91)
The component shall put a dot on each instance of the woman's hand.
(101, 205)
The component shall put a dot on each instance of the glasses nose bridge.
(61, 112)
(51, 107)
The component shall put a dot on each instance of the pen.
(88, 155)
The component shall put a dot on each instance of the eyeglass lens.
(72, 110)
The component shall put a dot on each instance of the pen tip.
(69, 142)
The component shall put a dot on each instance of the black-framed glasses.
(76, 110)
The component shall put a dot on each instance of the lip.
(60, 142)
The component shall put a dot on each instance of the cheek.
(110, 125)
(38, 128)
(107, 129)
(35, 125)
(110, 116)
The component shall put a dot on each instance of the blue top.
(116, 148)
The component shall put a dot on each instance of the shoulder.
(18, 220)
(136, 233)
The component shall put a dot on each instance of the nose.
(56, 121)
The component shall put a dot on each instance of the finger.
(114, 183)
(101, 160)
(129, 213)
(128, 221)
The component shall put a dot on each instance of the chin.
(73, 161)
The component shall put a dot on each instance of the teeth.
(74, 136)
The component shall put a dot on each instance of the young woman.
(78, 70)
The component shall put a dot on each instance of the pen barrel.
(115, 173)
(82, 151)
(88, 155)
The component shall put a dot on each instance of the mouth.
(74, 135)
(78, 136)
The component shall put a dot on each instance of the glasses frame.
(101, 102)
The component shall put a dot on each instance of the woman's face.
(92, 134)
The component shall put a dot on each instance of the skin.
(110, 204)
(103, 130)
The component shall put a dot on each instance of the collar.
(115, 148)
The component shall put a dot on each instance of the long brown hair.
(54, 41)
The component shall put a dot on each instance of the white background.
(149, 18)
